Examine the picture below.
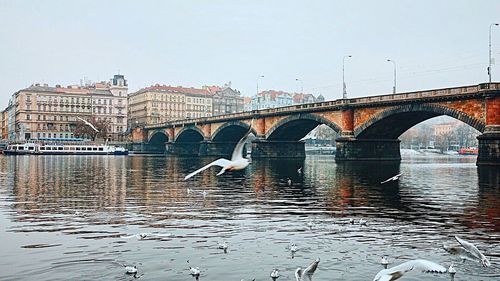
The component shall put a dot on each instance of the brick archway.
(231, 131)
(189, 134)
(391, 123)
(297, 126)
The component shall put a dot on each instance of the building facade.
(43, 112)
(4, 121)
(274, 99)
(161, 103)
(225, 99)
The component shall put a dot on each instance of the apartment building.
(162, 103)
(225, 99)
(44, 112)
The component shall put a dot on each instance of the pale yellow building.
(4, 122)
(43, 112)
(161, 103)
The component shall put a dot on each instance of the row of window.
(73, 100)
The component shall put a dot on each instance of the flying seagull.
(306, 274)
(237, 161)
(468, 251)
(395, 178)
(88, 123)
(396, 272)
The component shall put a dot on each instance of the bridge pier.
(351, 149)
(262, 148)
(222, 149)
(183, 148)
(489, 147)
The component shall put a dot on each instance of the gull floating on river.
(398, 271)
(237, 161)
(306, 274)
(384, 261)
(275, 274)
(129, 269)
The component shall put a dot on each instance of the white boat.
(63, 149)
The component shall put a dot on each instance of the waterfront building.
(41, 111)
(274, 99)
(4, 121)
(225, 99)
(161, 103)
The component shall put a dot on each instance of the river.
(74, 217)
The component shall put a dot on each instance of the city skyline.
(196, 43)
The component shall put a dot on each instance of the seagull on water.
(144, 235)
(89, 124)
(289, 181)
(398, 271)
(363, 222)
(275, 274)
(452, 271)
(395, 178)
(384, 261)
(129, 269)
(194, 271)
(299, 171)
(467, 251)
(306, 274)
(222, 246)
(237, 161)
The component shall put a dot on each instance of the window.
(28, 117)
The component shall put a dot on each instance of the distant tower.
(119, 87)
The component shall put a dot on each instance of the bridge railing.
(354, 101)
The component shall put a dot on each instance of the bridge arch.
(189, 134)
(157, 140)
(231, 131)
(295, 127)
(391, 123)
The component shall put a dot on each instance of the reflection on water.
(66, 218)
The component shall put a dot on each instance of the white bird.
(89, 124)
(294, 248)
(395, 178)
(363, 222)
(306, 273)
(275, 274)
(310, 224)
(473, 251)
(452, 271)
(223, 246)
(458, 250)
(140, 236)
(194, 271)
(299, 171)
(289, 181)
(398, 271)
(144, 235)
(384, 261)
(237, 161)
(129, 269)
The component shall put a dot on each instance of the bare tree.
(83, 130)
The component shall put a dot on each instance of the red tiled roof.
(177, 89)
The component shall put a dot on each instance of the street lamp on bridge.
(260, 76)
(394, 87)
(301, 85)
(489, 61)
(344, 91)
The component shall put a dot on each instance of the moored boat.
(468, 151)
(63, 149)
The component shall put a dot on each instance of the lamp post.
(394, 87)
(489, 61)
(260, 76)
(344, 88)
(301, 85)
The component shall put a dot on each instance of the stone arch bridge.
(368, 127)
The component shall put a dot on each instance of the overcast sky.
(193, 43)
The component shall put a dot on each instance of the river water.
(73, 217)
